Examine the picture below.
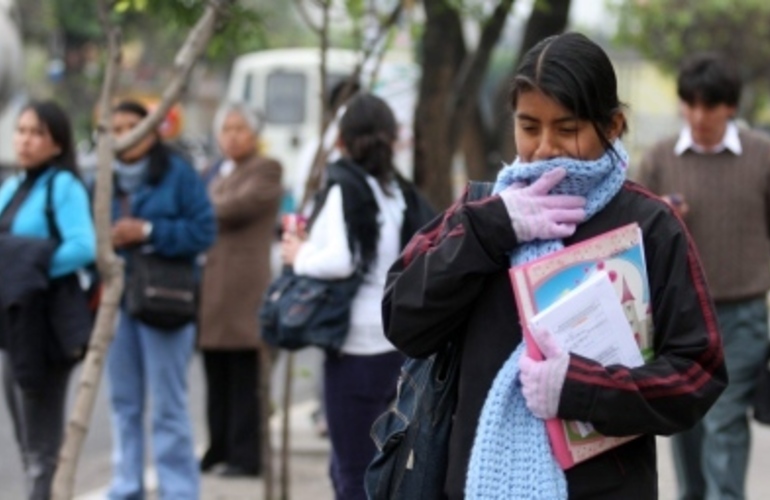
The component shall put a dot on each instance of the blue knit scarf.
(131, 176)
(511, 455)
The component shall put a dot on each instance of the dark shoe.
(208, 462)
(238, 471)
(319, 423)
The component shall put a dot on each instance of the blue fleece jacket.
(178, 207)
(72, 212)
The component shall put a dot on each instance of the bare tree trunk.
(442, 54)
(185, 59)
(111, 270)
(328, 110)
(285, 492)
(465, 112)
(265, 375)
(110, 265)
(478, 164)
(548, 17)
(449, 88)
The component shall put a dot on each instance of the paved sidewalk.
(758, 483)
(310, 481)
(308, 465)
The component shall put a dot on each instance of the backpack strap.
(50, 215)
(478, 190)
(349, 179)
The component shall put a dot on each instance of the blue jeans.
(144, 360)
(711, 459)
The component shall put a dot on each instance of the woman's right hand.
(538, 215)
(290, 244)
(677, 202)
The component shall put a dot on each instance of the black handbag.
(62, 312)
(761, 401)
(299, 311)
(70, 317)
(161, 291)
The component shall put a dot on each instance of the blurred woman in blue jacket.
(161, 205)
(45, 152)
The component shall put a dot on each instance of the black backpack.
(412, 437)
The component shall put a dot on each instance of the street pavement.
(309, 457)
(95, 467)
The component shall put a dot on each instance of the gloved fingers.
(530, 388)
(556, 201)
(535, 401)
(558, 231)
(548, 344)
(548, 181)
(531, 397)
(567, 216)
(526, 366)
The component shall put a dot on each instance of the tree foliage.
(240, 29)
(75, 23)
(669, 30)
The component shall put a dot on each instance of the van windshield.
(285, 98)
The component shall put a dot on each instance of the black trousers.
(38, 422)
(358, 389)
(232, 408)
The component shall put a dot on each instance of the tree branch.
(472, 71)
(305, 15)
(184, 61)
(313, 182)
(110, 269)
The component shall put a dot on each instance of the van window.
(285, 98)
(247, 88)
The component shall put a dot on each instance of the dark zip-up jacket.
(452, 281)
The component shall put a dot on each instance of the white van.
(284, 85)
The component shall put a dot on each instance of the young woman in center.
(451, 283)
(358, 228)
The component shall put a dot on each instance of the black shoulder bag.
(412, 437)
(69, 314)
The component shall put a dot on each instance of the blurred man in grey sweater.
(717, 177)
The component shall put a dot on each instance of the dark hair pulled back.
(368, 131)
(578, 74)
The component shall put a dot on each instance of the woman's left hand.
(542, 381)
(290, 245)
(128, 231)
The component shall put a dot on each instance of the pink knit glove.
(535, 214)
(542, 381)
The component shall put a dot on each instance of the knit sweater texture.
(729, 210)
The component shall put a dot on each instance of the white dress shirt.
(730, 141)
